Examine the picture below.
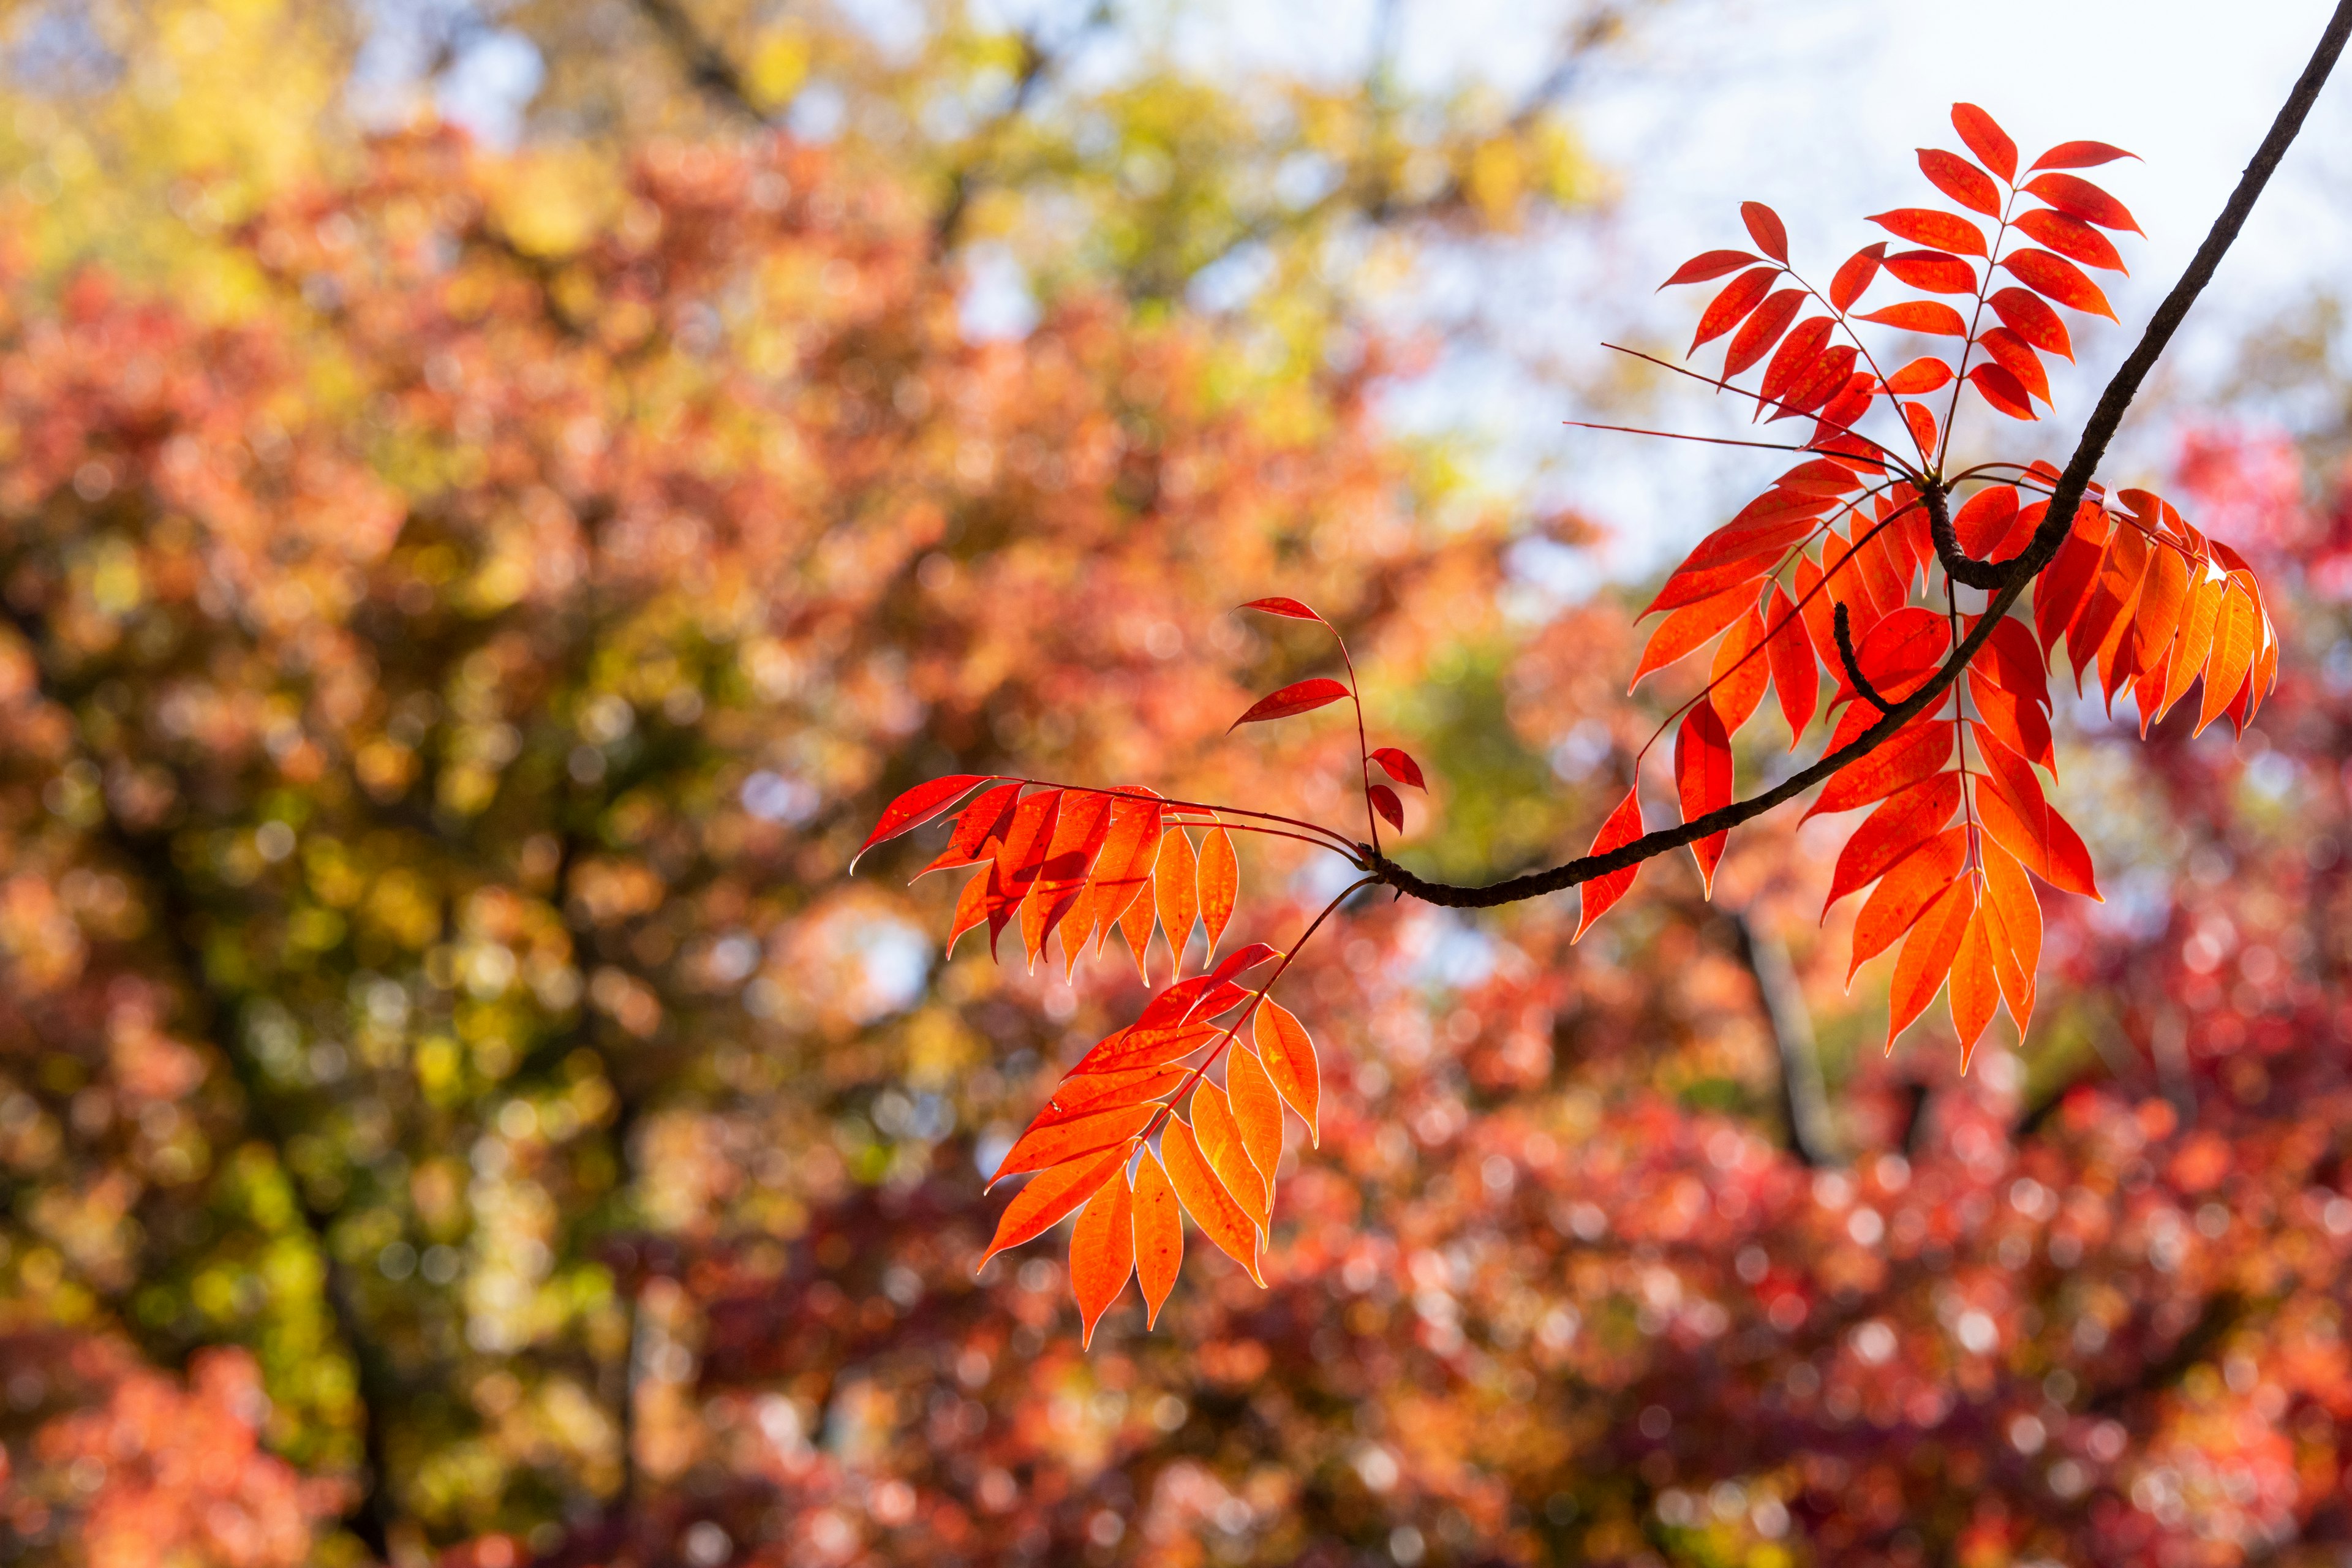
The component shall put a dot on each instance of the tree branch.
(1842, 628)
(2113, 404)
(1804, 1097)
(706, 66)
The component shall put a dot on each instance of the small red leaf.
(1302, 697)
(1384, 801)
(1929, 316)
(1854, 277)
(1730, 307)
(1960, 180)
(2071, 236)
(1987, 141)
(2002, 391)
(1920, 377)
(2031, 321)
(1764, 227)
(2015, 355)
(1290, 609)
(1763, 329)
(1400, 767)
(1937, 271)
(916, 806)
(1707, 266)
(1624, 826)
(2082, 199)
(2057, 277)
(2079, 156)
(1703, 778)
(1938, 230)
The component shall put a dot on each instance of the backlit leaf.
(1703, 780)
(1175, 891)
(1987, 140)
(916, 806)
(1931, 316)
(1219, 879)
(2079, 198)
(1707, 266)
(1623, 825)
(1960, 180)
(1300, 697)
(1764, 227)
(1158, 1235)
(1102, 1252)
(1257, 1110)
(1928, 952)
(1212, 1208)
(1399, 766)
(1289, 1054)
(1049, 1195)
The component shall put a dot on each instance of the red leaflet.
(2194, 646)
(1796, 672)
(1928, 954)
(2236, 635)
(1290, 1056)
(1920, 748)
(2080, 155)
(1936, 230)
(2080, 198)
(986, 817)
(2020, 724)
(1933, 271)
(2010, 659)
(1693, 627)
(2003, 391)
(1158, 1235)
(2015, 355)
(1909, 887)
(1237, 961)
(1085, 1094)
(1822, 476)
(916, 806)
(1761, 330)
(1175, 891)
(1703, 778)
(1020, 855)
(1292, 609)
(2071, 236)
(1049, 1195)
(1059, 1141)
(1920, 316)
(2056, 277)
(1975, 993)
(1742, 671)
(1709, 264)
(1987, 141)
(1102, 1252)
(1900, 824)
(1136, 1048)
(1399, 766)
(1919, 377)
(1384, 801)
(1219, 878)
(1828, 375)
(1854, 275)
(1797, 356)
(1764, 226)
(1902, 651)
(2033, 321)
(1983, 520)
(1624, 827)
(1960, 180)
(971, 906)
(1257, 1110)
(1212, 1208)
(1078, 836)
(1729, 308)
(2059, 592)
(1302, 697)
(1921, 422)
(2009, 897)
(1123, 869)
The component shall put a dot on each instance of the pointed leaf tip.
(916, 806)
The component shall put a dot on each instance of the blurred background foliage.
(468, 590)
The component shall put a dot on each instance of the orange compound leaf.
(1910, 886)
(1400, 767)
(1257, 1110)
(1289, 1055)
(1050, 1195)
(1219, 877)
(2034, 322)
(1731, 306)
(916, 806)
(1703, 779)
(1219, 1137)
(1624, 826)
(1960, 180)
(1123, 869)
(1158, 1236)
(984, 820)
(2018, 958)
(1299, 697)
(1693, 627)
(1796, 669)
(1920, 377)
(1796, 358)
(1987, 140)
(2056, 277)
(1936, 230)
(2072, 238)
(1175, 891)
(1901, 822)
(1087, 1094)
(1059, 1143)
(1761, 330)
(1742, 671)
(1930, 316)
(2079, 198)
(2015, 355)
(1928, 952)
(1976, 986)
(1984, 517)
(1920, 748)
(1705, 267)
(1764, 227)
(2079, 156)
(1290, 609)
(2003, 391)
(1934, 271)
(1384, 801)
(1134, 1048)
(1102, 1252)
(1212, 1208)
(1854, 276)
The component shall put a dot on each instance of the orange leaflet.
(1078, 836)
(1796, 358)
(987, 817)
(2113, 592)
(1984, 517)
(1020, 855)
(1102, 1252)
(2195, 644)
(1299, 697)
(1796, 672)
(1960, 180)
(1910, 886)
(1054, 1143)
(1132, 1047)
(2017, 814)
(2003, 391)
(1050, 1195)
(1212, 1208)
(1158, 1236)
(1762, 330)
(1742, 670)
(1703, 779)
(1987, 141)
(1902, 651)
(916, 806)
(1175, 891)
(2033, 321)
(1220, 1144)
(2080, 198)
(2236, 636)
(1123, 869)
(1934, 271)
(2080, 155)
(1730, 307)
(1976, 992)
(1135, 929)
(1898, 826)
(1083, 1094)
(1257, 1110)
(1624, 827)
(1703, 267)
(2072, 238)
(1688, 629)
(1919, 377)
(1289, 1055)
(1854, 275)
(1920, 316)
(1928, 954)
(1936, 230)
(2015, 355)
(2019, 721)
(1220, 884)
(2056, 277)
(1764, 226)
(2010, 897)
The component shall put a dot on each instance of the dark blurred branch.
(1601, 27)
(1039, 61)
(1804, 1098)
(704, 64)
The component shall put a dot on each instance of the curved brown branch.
(2100, 429)
(1842, 627)
(1957, 563)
